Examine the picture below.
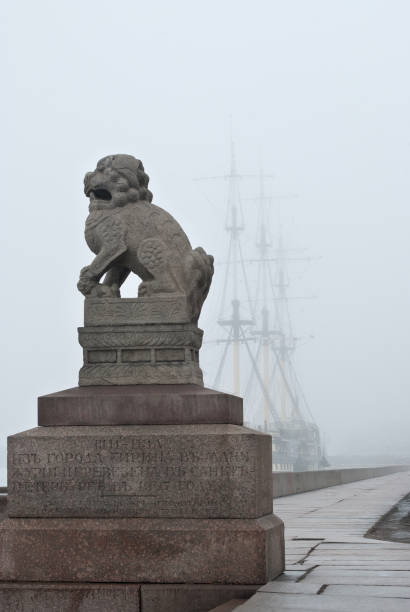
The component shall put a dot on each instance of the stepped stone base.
(139, 405)
(215, 551)
(148, 498)
(89, 597)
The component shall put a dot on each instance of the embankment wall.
(291, 483)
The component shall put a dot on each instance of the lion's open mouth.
(101, 194)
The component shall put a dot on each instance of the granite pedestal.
(139, 405)
(156, 471)
(184, 499)
(108, 597)
(49, 597)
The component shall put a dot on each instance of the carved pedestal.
(139, 341)
(179, 505)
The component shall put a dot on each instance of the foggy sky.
(317, 89)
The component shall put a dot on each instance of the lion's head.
(117, 180)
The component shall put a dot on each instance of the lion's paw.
(143, 289)
(102, 291)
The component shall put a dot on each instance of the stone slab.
(290, 588)
(229, 605)
(48, 597)
(386, 565)
(200, 471)
(368, 591)
(265, 602)
(325, 575)
(343, 555)
(191, 597)
(139, 405)
(109, 597)
(218, 551)
(291, 576)
(142, 310)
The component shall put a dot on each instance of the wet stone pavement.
(395, 525)
(333, 561)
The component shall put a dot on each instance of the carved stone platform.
(142, 310)
(139, 405)
(139, 341)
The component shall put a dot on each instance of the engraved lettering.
(133, 475)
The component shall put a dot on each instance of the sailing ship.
(258, 340)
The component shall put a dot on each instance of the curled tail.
(199, 272)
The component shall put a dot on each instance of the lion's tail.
(200, 272)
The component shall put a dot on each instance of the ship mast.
(235, 272)
(284, 344)
(235, 284)
(283, 394)
(263, 245)
(272, 382)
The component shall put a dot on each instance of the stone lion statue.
(128, 233)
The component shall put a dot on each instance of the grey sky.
(318, 89)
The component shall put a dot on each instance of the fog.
(317, 93)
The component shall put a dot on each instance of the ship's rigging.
(258, 337)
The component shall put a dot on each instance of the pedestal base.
(218, 551)
(48, 597)
(191, 597)
(139, 341)
(196, 486)
(88, 597)
(139, 405)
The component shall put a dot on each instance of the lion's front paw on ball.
(104, 291)
(84, 287)
(85, 284)
(142, 290)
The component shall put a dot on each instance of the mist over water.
(318, 93)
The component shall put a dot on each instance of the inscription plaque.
(215, 471)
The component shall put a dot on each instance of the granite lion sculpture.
(128, 233)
